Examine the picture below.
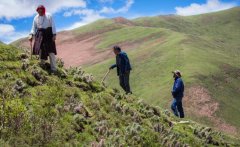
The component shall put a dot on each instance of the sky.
(16, 16)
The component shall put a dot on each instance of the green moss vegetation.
(72, 109)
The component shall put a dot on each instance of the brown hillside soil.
(124, 21)
(24, 43)
(75, 52)
(198, 102)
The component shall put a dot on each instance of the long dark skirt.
(43, 41)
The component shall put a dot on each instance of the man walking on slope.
(177, 93)
(123, 68)
(44, 33)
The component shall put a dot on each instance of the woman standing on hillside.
(44, 33)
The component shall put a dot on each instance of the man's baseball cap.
(177, 72)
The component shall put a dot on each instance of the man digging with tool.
(44, 33)
(123, 68)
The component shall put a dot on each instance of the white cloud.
(123, 9)
(89, 16)
(210, 6)
(104, 10)
(8, 33)
(79, 12)
(11, 9)
(6, 28)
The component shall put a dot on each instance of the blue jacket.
(122, 63)
(178, 88)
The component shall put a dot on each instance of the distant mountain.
(204, 47)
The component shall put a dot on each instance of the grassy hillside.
(204, 47)
(127, 34)
(72, 109)
(99, 25)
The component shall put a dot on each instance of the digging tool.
(104, 78)
(31, 49)
(30, 37)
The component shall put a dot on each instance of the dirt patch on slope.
(80, 49)
(123, 21)
(75, 52)
(198, 102)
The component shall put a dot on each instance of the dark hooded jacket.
(122, 63)
(178, 88)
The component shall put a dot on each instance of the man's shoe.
(53, 72)
(129, 93)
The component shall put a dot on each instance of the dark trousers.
(177, 107)
(124, 82)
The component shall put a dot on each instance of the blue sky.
(16, 15)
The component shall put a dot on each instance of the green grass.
(199, 46)
(97, 26)
(72, 109)
(127, 34)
